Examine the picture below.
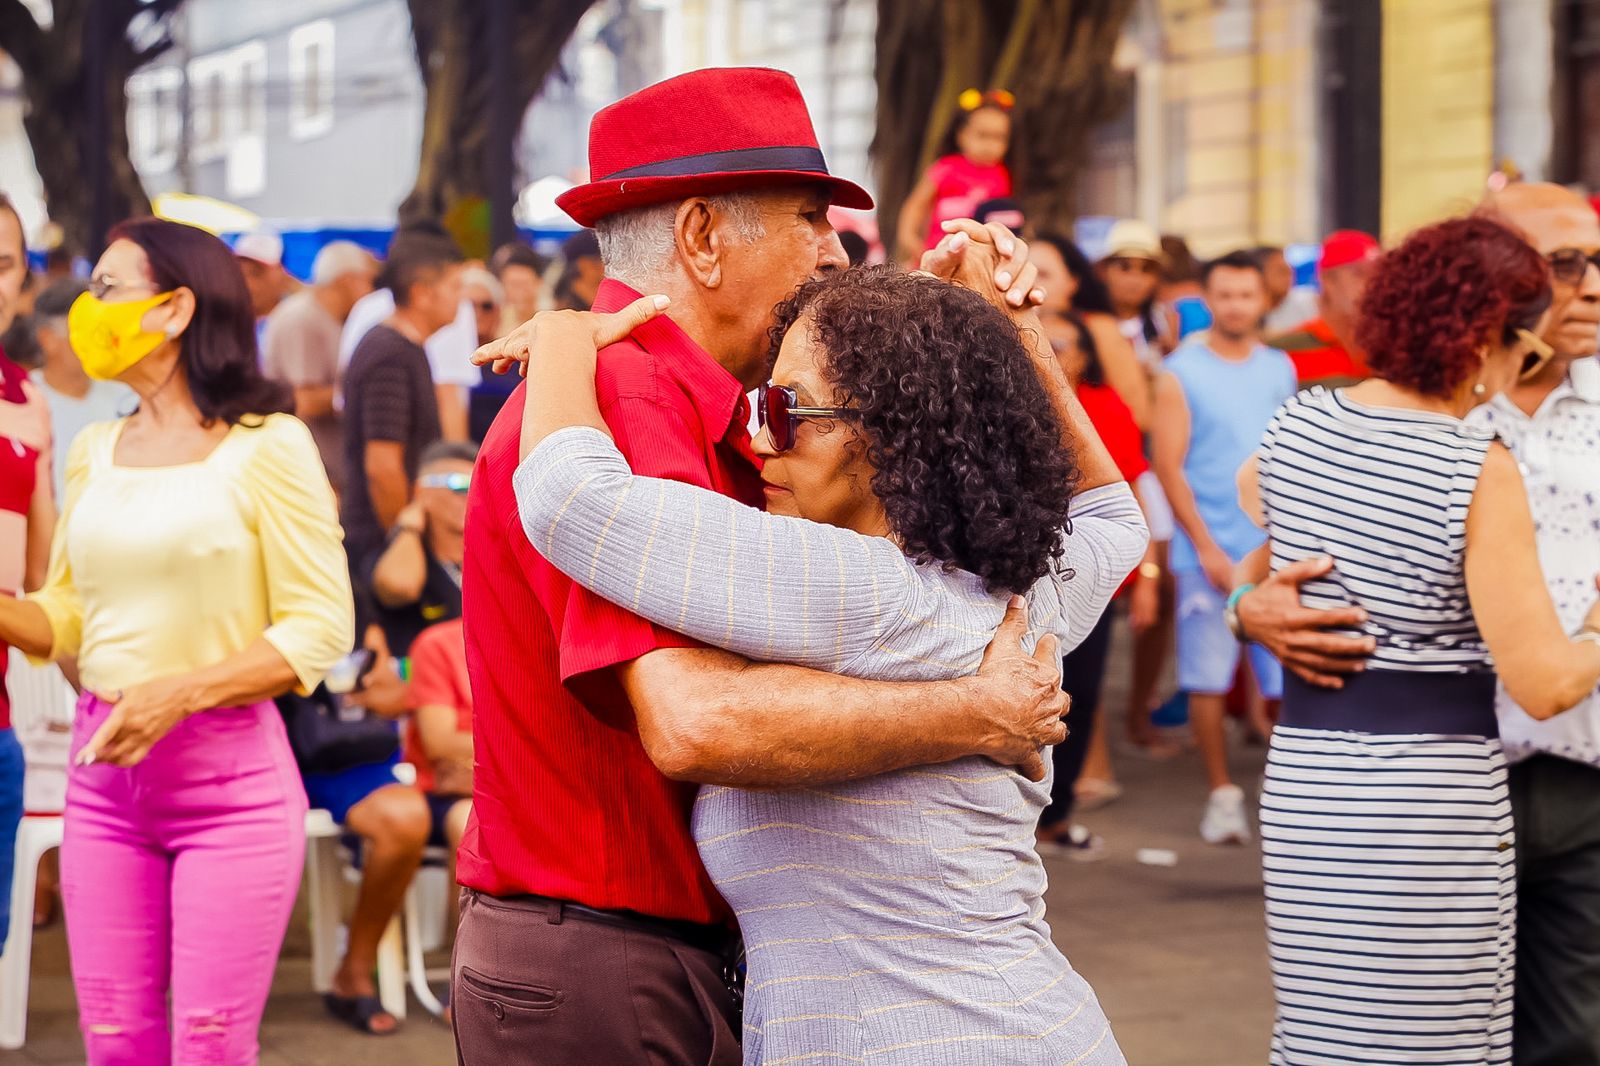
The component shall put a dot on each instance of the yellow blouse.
(157, 571)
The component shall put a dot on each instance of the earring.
(1480, 390)
(171, 331)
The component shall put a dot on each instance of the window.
(247, 141)
(208, 106)
(228, 105)
(250, 90)
(1576, 97)
(311, 79)
(155, 118)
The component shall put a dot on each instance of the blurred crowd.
(1249, 402)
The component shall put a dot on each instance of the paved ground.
(1177, 954)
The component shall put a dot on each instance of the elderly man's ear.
(699, 243)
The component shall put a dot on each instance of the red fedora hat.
(705, 132)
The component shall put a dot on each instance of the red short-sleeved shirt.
(565, 801)
(1119, 433)
(438, 679)
(1319, 358)
(24, 464)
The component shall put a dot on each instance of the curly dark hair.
(967, 449)
(1436, 300)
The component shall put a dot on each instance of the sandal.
(1073, 842)
(358, 1012)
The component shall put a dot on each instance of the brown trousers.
(535, 983)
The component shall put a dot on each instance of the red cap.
(701, 133)
(1346, 246)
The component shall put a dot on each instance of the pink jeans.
(179, 874)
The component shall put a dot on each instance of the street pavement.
(1176, 953)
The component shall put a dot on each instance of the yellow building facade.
(1239, 156)
(1237, 141)
(1438, 109)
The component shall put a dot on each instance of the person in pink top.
(972, 169)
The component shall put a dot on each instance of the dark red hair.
(218, 352)
(1438, 299)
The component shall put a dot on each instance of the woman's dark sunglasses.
(779, 410)
(1569, 265)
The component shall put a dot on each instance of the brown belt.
(713, 938)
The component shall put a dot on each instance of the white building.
(311, 110)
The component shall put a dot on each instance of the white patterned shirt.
(1558, 449)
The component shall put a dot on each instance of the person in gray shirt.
(75, 399)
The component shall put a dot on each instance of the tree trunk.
(56, 90)
(452, 48)
(1055, 56)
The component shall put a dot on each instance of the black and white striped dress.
(1385, 822)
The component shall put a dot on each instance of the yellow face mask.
(110, 337)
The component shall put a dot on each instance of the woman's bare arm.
(1543, 669)
(26, 627)
(1248, 481)
(1121, 366)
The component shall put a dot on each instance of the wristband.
(1230, 611)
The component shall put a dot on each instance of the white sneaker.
(1225, 821)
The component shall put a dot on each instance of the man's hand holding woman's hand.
(988, 259)
(566, 334)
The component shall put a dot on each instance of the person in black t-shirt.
(416, 579)
(390, 410)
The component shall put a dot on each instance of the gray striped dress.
(896, 920)
(1385, 821)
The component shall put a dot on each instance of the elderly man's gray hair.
(636, 246)
(338, 258)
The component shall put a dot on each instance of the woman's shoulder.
(274, 446)
(949, 612)
(95, 439)
(275, 430)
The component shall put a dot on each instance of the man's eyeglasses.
(778, 409)
(456, 483)
(1569, 265)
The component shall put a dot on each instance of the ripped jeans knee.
(204, 1038)
(122, 1023)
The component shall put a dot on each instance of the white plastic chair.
(424, 915)
(408, 935)
(37, 834)
(42, 706)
